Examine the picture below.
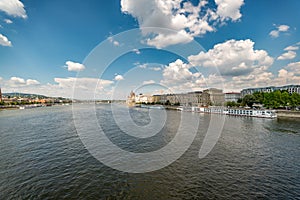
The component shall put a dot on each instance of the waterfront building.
(0, 95)
(217, 97)
(131, 99)
(232, 96)
(196, 98)
(208, 97)
(143, 98)
(290, 88)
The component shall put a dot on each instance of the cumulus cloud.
(287, 55)
(78, 88)
(184, 18)
(233, 58)
(4, 41)
(150, 66)
(281, 28)
(294, 67)
(142, 66)
(177, 73)
(291, 48)
(13, 8)
(16, 82)
(114, 42)
(82, 83)
(229, 9)
(136, 51)
(155, 68)
(148, 82)
(8, 21)
(32, 82)
(73, 66)
(119, 77)
(165, 39)
(81, 88)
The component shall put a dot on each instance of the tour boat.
(263, 113)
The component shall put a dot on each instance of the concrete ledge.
(288, 114)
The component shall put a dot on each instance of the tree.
(248, 100)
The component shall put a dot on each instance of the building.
(208, 97)
(144, 98)
(0, 95)
(196, 98)
(232, 96)
(131, 99)
(217, 97)
(290, 88)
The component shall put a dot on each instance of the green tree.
(248, 100)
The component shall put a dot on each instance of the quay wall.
(288, 114)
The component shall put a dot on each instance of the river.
(43, 157)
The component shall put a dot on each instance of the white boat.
(152, 106)
(30, 106)
(264, 113)
(185, 108)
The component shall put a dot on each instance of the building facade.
(290, 88)
(131, 99)
(217, 97)
(208, 97)
(196, 98)
(232, 96)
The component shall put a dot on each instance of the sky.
(104, 49)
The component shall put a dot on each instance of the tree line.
(274, 100)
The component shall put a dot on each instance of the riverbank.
(288, 114)
(9, 107)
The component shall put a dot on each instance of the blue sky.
(229, 44)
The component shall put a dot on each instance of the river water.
(42, 157)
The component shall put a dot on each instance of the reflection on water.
(43, 158)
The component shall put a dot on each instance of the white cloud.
(73, 66)
(155, 68)
(16, 82)
(162, 40)
(150, 66)
(233, 58)
(114, 42)
(274, 33)
(4, 41)
(287, 55)
(32, 82)
(119, 77)
(142, 66)
(184, 19)
(178, 73)
(13, 8)
(294, 67)
(8, 21)
(148, 82)
(136, 51)
(82, 83)
(291, 48)
(229, 9)
(79, 88)
(281, 28)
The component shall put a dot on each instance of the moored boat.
(262, 113)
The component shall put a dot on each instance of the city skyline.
(45, 45)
